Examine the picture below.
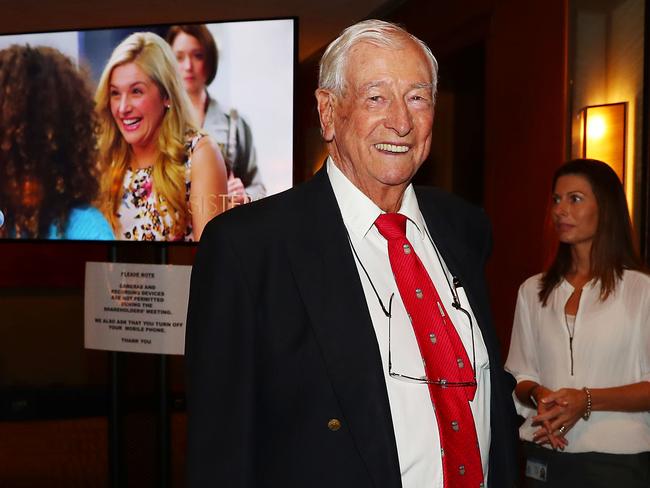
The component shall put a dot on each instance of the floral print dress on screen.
(144, 215)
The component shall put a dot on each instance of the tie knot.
(391, 225)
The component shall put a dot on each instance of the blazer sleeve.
(220, 339)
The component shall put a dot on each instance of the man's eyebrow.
(371, 84)
(426, 86)
(414, 86)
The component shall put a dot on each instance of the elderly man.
(339, 333)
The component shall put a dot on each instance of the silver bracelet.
(588, 409)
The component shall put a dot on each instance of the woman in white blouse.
(580, 348)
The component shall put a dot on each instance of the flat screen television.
(253, 91)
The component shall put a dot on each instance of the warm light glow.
(596, 127)
(604, 135)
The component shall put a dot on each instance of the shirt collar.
(360, 212)
(589, 285)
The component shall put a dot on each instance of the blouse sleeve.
(522, 360)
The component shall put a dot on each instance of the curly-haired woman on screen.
(48, 174)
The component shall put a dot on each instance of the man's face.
(380, 129)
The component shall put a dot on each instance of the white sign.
(136, 307)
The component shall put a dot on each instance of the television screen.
(142, 133)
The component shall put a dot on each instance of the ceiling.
(319, 21)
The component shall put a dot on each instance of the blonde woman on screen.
(163, 179)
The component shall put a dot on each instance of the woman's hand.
(546, 433)
(531, 393)
(558, 412)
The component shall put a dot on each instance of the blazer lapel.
(327, 277)
(452, 252)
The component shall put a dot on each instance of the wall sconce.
(603, 134)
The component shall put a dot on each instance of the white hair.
(384, 34)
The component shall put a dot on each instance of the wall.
(525, 140)
(607, 67)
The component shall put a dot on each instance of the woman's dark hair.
(47, 141)
(613, 248)
(203, 35)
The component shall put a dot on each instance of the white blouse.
(611, 347)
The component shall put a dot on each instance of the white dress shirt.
(611, 347)
(416, 430)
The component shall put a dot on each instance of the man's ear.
(325, 101)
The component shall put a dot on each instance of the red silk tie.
(445, 358)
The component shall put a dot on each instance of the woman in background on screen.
(197, 55)
(48, 174)
(580, 348)
(163, 179)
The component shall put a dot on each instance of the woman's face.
(137, 105)
(191, 62)
(575, 210)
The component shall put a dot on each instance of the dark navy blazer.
(280, 341)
